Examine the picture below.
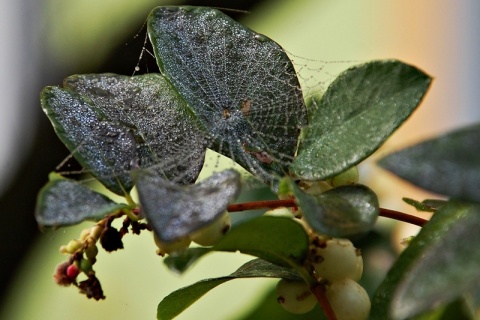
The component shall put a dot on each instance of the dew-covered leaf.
(357, 113)
(105, 148)
(240, 84)
(179, 300)
(63, 202)
(439, 265)
(113, 124)
(176, 211)
(281, 241)
(448, 165)
(168, 135)
(341, 212)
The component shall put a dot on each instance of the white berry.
(347, 177)
(213, 232)
(337, 259)
(295, 296)
(315, 187)
(279, 212)
(348, 300)
(171, 247)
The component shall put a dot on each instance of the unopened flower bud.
(74, 246)
(91, 252)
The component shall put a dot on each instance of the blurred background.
(44, 41)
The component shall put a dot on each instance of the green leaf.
(435, 204)
(176, 211)
(240, 84)
(420, 206)
(448, 165)
(180, 261)
(458, 310)
(341, 212)
(64, 202)
(281, 241)
(179, 300)
(357, 113)
(113, 124)
(439, 265)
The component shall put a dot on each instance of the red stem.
(400, 216)
(319, 292)
(270, 204)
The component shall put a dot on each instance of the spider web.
(246, 104)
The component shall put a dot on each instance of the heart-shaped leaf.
(179, 300)
(63, 202)
(281, 241)
(341, 212)
(439, 265)
(357, 113)
(176, 211)
(240, 84)
(448, 165)
(113, 124)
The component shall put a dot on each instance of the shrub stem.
(319, 292)
(271, 204)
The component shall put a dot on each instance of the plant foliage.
(225, 87)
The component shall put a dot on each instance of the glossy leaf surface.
(357, 113)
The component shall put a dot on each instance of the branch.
(319, 292)
(400, 216)
(271, 204)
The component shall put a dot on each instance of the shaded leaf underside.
(176, 211)
(448, 165)
(67, 202)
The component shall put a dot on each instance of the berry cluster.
(337, 266)
(83, 252)
(334, 263)
(206, 236)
